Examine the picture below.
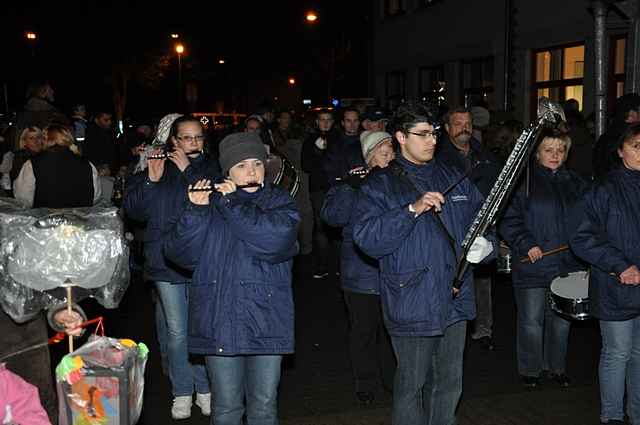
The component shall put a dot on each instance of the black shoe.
(365, 397)
(530, 381)
(486, 342)
(561, 378)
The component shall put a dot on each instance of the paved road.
(317, 389)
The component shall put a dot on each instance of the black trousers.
(372, 358)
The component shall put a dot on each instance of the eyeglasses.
(190, 139)
(425, 135)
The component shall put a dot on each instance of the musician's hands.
(179, 157)
(226, 188)
(200, 197)
(156, 166)
(70, 321)
(630, 276)
(354, 179)
(427, 201)
(321, 143)
(534, 254)
(479, 250)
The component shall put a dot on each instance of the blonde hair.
(23, 136)
(58, 135)
(564, 140)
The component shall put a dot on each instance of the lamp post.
(31, 39)
(179, 51)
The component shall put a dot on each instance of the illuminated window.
(432, 84)
(558, 74)
(478, 81)
(616, 68)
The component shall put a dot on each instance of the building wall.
(450, 31)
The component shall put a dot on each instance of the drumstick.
(550, 252)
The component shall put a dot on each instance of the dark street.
(317, 389)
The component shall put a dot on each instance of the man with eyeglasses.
(416, 234)
(459, 149)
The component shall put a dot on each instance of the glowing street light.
(179, 49)
(311, 16)
(221, 61)
(292, 81)
(31, 35)
(175, 35)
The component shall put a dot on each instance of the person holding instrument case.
(240, 244)
(534, 223)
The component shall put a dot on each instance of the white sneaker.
(203, 401)
(181, 408)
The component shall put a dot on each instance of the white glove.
(321, 143)
(480, 249)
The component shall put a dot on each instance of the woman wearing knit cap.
(239, 237)
(369, 348)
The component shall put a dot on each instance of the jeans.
(369, 346)
(320, 235)
(484, 319)
(184, 376)
(620, 362)
(542, 335)
(428, 381)
(235, 377)
(161, 332)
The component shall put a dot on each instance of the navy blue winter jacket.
(160, 205)
(240, 248)
(417, 264)
(608, 237)
(545, 218)
(358, 272)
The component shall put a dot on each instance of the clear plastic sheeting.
(42, 251)
(102, 383)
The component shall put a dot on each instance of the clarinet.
(548, 114)
(165, 155)
(210, 188)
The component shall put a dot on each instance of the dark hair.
(409, 115)
(181, 120)
(35, 88)
(350, 109)
(632, 131)
(456, 110)
(324, 111)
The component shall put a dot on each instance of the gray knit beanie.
(237, 147)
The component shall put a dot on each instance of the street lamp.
(179, 51)
(292, 81)
(311, 16)
(175, 35)
(31, 35)
(221, 61)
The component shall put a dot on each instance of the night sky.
(80, 42)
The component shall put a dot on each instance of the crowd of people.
(365, 199)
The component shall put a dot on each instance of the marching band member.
(534, 223)
(608, 237)
(359, 274)
(240, 242)
(406, 224)
(157, 197)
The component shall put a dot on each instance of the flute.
(210, 188)
(165, 155)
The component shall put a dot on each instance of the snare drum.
(569, 296)
(281, 172)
